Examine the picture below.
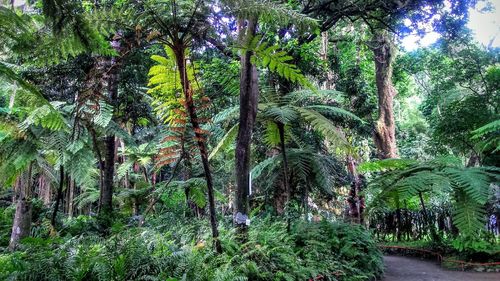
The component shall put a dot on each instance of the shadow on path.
(399, 268)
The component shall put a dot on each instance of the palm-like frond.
(470, 187)
(226, 140)
(323, 125)
(271, 11)
(489, 135)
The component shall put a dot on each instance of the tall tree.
(385, 128)
(181, 24)
(249, 98)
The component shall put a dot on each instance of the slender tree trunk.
(249, 96)
(21, 226)
(200, 136)
(399, 224)
(71, 197)
(385, 129)
(59, 196)
(330, 80)
(281, 129)
(427, 220)
(352, 200)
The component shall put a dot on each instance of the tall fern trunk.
(21, 225)
(249, 96)
(281, 130)
(179, 50)
(385, 129)
(429, 224)
(59, 197)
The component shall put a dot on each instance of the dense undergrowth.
(168, 249)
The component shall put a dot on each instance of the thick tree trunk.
(200, 136)
(249, 96)
(21, 226)
(106, 203)
(385, 129)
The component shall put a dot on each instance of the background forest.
(242, 140)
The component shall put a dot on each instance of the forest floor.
(399, 268)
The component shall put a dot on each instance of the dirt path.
(410, 269)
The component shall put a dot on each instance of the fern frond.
(226, 140)
(277, 61)
(474, 181)
(323, 125)
(385, 165)
(470, 187)
(489, 135)
(271, 11)
(468, 215)
(279, 114)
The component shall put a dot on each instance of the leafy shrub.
(336, 251)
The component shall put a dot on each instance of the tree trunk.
(71, 196)
(352, 200)
(281, 129)
(59, 196)
(200, 135)
(106, 203)
(21, 226)
(385, 129)
(45, 191)
(249, 95)
(427, 220)
(329, 79)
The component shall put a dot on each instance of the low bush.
(336, 251)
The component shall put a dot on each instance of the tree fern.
(325, 126)
(271, 11)
(470, 187)
(489, 136)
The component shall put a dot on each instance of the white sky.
(484, 25)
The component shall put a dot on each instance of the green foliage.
(470, 187)
(277, 61)
(271, 12)
(179, 252)
(489, 136)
